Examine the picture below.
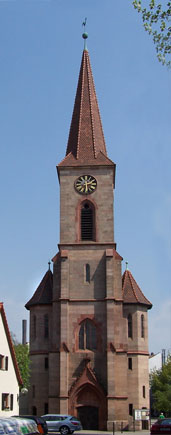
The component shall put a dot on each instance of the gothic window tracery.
(87, 335)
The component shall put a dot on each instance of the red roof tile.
(101, 160)
(86, 143)
(117, 256)
(10, 344)
(43, 294)
(132, 293)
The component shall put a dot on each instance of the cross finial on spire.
(85, 34)
(126, 262)
(49, 264)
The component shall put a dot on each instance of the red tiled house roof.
(132, 293)
(10, 344)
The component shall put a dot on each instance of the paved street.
(94, 432)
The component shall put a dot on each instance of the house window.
(87, 335)
(2, 362)
(46, 326)
(34, 327)
(143, 391)
(87, 221)
(129, 326)
(130, 409)
(46, 363)
(11, 402)
(142, 325)
(6, 363)
(87, 273)
(130, 363)
(5, 401)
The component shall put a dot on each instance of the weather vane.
(85, 34)
(84, 22)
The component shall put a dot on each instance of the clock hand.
(86, 188)
(90, 182)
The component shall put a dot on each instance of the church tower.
(88, 324)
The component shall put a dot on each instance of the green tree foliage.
(160, 381)
(23, 360)
(157, 22)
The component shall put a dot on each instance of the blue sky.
(40, 52)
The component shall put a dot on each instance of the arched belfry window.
(87, 335)
(142, 325)
(87, 221)
(129, 326)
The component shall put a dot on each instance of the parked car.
(65, 424)
(41, 423)
(8, 426)
(161, 426)
(18, 426)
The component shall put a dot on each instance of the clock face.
(85, 184)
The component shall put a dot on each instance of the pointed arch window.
(87, 221)
(129, 325)
(87, 335)
(142, 325)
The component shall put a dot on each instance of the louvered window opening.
(86, 222)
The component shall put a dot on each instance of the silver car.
(65, 424)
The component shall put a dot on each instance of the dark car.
(65, 424)
(161, 426)
(41, 423)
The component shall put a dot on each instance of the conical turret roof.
(43, 294)
(86, 143)
(132, 293)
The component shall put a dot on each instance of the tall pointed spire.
(86, 137)
(86, 143)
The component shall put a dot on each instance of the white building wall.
(155, 362)
(8, 378)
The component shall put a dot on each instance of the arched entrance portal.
(87, 401)
(88, 406)
(89, 417)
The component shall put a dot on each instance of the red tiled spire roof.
(43, 294)
(86, 143)
(132, 293)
